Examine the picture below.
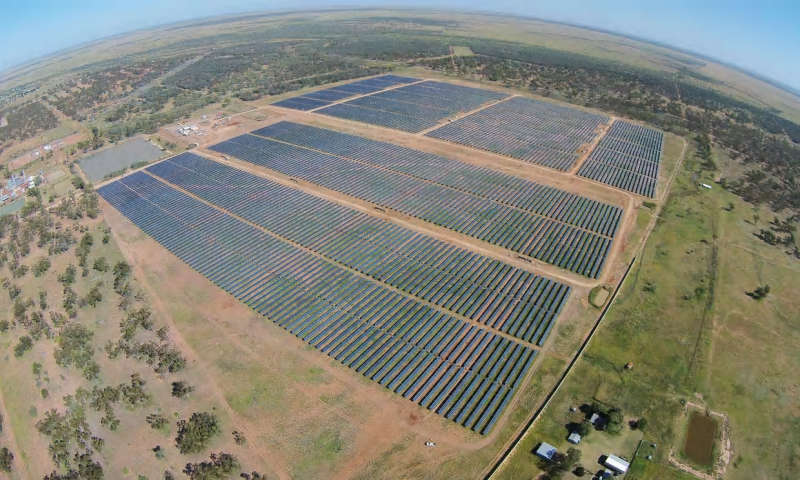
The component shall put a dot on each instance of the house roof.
(546, 451)
(615, 463)
(574, 437)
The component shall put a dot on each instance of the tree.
(101, 264)
(573, 457)
(6, 459)
(181, 389)
(218, 468)
(641, 424)
(40, 266)
(760, 292)
(196, 434)
(756, 218)
(580, 471)
(25, 344)
(157, 421)
(584, 428)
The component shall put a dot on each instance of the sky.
(760, 35)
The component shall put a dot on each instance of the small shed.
(546, 451)
(574, 437)
(595, 418)
(616, 464)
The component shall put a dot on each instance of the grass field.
(684, 320)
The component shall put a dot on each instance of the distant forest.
(158, 87)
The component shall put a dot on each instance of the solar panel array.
(537, 132)
(628, 157)
(493, 293)
(321, 98)
(462, 371)
(413, 108)
(541, 222)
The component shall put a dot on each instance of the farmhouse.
(546, 451)
(616, 464)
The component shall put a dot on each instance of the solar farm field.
(566, 230)
(628, 157)
(538, 132)
(321, 98)
(458, 369)
(413, 108)
(487, 291)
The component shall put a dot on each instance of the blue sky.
(761, 35)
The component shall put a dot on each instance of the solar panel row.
(552, 241)
(483, 182)
(321, 98)
(488, 291)
(413, 108)
(537, 132)
(463, 372)
(628, 157)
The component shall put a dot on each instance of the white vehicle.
(430, 444)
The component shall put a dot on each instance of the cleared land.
(119, 158)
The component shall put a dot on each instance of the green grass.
(735, 354)
(462, 51)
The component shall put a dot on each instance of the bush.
(196, 434)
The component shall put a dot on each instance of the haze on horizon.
(761, 37)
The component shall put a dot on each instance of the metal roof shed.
(546, 451)
(574, 437)
(617, 464)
